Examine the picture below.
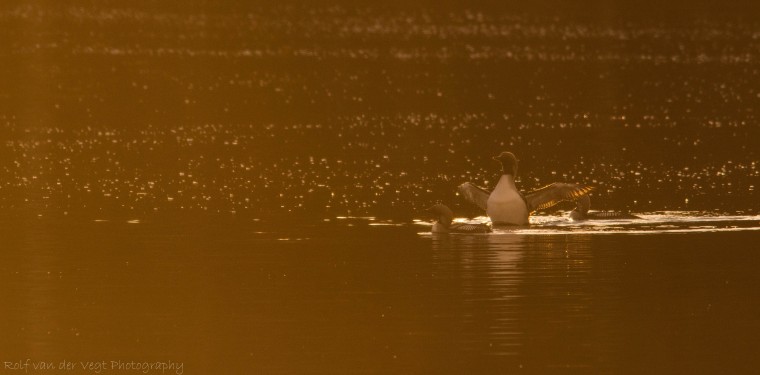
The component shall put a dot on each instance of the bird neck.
(507, 180)
(441, 227)
(509, 169)
(444, 221)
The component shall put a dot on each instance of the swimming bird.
(444, 222)
(581, 212)
(505, 205)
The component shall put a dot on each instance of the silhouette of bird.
(444, 218)
(506, 205)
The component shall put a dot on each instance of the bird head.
(442, 214)
(508, 162)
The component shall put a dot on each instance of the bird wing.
(473, 194)
(552, 194)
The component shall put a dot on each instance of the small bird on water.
(581, 212)
(505, 205)
(444, 218)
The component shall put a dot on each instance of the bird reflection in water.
(518, 294)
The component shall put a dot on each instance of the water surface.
(346, 296)
(237, 186)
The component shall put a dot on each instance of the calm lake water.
(239, 187)
(363, 296)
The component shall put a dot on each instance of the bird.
(505, 205)
(444, 218)
(581, 212)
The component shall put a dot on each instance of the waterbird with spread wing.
(506, 205)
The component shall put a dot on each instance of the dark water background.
(348, 297)
(185, 182)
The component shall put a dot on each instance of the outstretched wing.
(473, 194)
(552, 194)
